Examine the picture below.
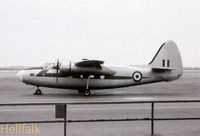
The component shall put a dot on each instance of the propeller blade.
(57, 70)
(56, 76)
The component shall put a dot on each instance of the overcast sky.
(33, 32)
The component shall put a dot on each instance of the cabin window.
(31, 74)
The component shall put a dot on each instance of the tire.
(137, 76)
(38, 92)
(87, 93)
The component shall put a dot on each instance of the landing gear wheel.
(38, 92)
(86, 93)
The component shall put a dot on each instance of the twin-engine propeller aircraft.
(89, 75)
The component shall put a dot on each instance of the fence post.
(152, 118)
(65, 120)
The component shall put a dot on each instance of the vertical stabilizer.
(168, 57)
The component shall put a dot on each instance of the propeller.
(57, 67)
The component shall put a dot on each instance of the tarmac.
(186, 88)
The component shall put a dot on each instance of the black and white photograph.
(99, 68)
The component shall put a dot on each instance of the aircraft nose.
(20, 75)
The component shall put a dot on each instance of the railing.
(65, 121)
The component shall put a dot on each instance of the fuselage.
(122, 77)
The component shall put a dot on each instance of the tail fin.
(167, 58)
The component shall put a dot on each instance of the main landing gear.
(87, 93)
(38, 91)
(84, 92)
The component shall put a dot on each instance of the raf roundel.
(137, 76)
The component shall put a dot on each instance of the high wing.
(90, 63)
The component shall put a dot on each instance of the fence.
(65, 104)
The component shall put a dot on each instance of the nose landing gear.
(38, 92)
(86, 91)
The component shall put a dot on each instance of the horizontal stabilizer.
(162, 69)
